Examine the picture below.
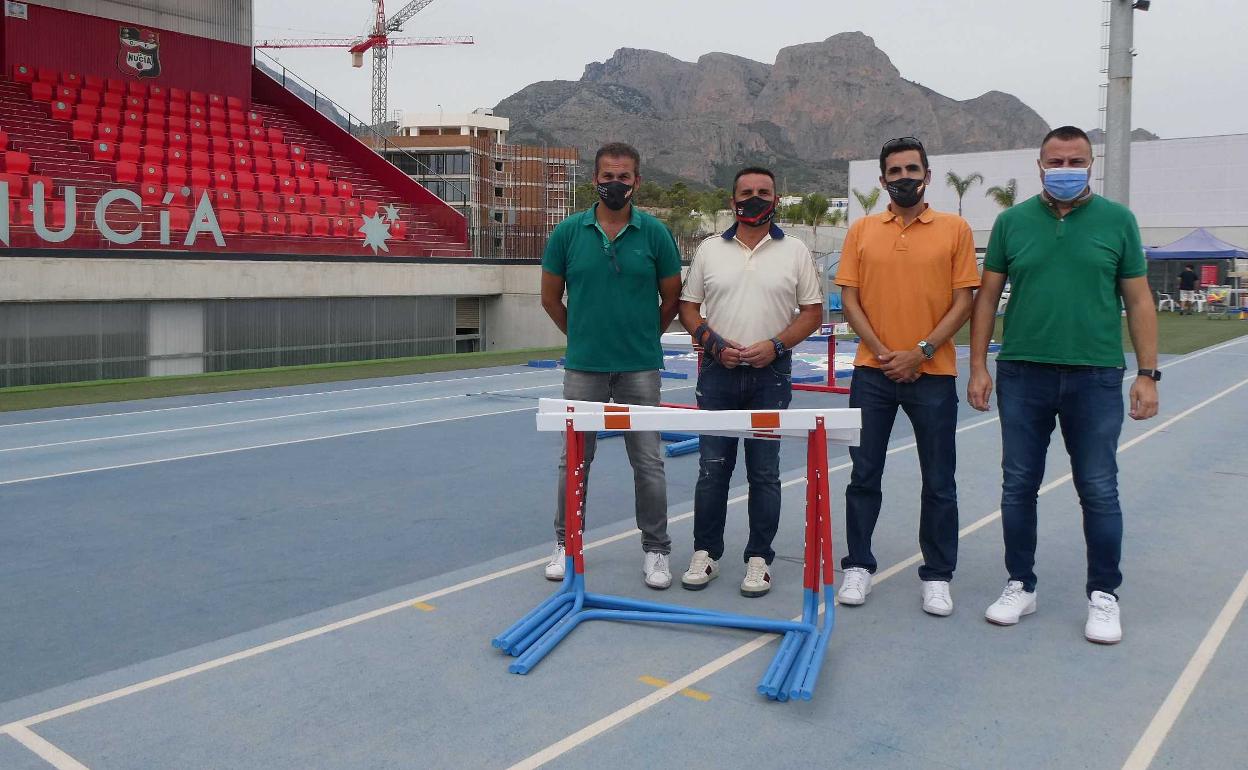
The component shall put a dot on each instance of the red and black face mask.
(754, 211)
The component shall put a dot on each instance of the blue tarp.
(1196, 245)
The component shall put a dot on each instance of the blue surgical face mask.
(1065, 184)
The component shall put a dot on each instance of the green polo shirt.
(1065, 305)
(613, 309)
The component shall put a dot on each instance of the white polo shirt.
(750, 295)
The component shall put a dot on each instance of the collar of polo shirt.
(925, 216)
(774, 231)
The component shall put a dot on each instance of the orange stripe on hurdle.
(765, 420)
(614, 408)
(617, 422)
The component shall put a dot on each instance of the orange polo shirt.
(905, 278)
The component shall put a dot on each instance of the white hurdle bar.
(842, 425)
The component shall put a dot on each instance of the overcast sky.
(1190, 72)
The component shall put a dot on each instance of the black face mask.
(755, 211)
(615, 195)
(906, 192)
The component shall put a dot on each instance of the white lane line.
(370, 615)
(279, 443)
(1146, 749)
(42, 747)
(269, 419)
(614, 719)
(271, 398)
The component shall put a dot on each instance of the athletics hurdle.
(795, 669)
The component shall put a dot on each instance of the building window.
(498, 216)
(498, 165)
(498, 192)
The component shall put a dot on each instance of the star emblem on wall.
(375, 231)
(392, 213)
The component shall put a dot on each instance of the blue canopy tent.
(1199, 244)
(1197, 247)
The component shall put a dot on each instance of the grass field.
(1176, 334)
(43, 396)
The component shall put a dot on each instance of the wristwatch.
(1152, 374)
(928, 349)
(780, 348)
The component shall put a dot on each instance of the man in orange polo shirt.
(908, 276)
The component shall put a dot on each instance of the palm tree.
(868, 201)
(1004, 196)
(961, 184)
(815, 208)
(837, 217)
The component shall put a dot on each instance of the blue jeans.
(742, 387)
(1087, 400)
(931, 403)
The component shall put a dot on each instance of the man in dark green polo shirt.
(1073, 260)
(622, 273)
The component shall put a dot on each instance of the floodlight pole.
(1117, 179)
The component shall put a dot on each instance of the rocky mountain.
(818, 107)
(1137, 135)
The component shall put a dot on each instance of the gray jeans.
(649, 481)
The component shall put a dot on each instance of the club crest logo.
(139, 54)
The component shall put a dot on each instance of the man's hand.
(1143, 398)
(759, 354)
(979, 389)
(730, 357)
(901, 365)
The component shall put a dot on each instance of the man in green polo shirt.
(1073, 260)
(622, 273)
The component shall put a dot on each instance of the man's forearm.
(667, 314)
(953, 319)
(983, 318)
(558, 313)
(862, 327)
(806, 323)
(1142, 325)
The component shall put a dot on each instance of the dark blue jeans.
(931, 403)
(1088, 402)
(742, 387)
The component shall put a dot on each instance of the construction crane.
(377, 39)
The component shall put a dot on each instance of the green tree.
(869, 200)
(1004, 196)
(838, 217)
(961, 184)
(649, 194)
(584, 196)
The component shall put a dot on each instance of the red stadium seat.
(221, 145)
(224, 199)
(343, 188)
(320, 226)
(176, 122)
(244, 164)
(261, 149)
(262, 165)
(16, 162)
(93, 82)
(270, 201)
(300, 225)
(344, 226)
(177, 95)
(266, 183)
(297, 153)
(154, 122)
(103, 150)
(197, 126)
(155, 136)
(350, 207)
(234, 103)
(132, 134)
(275, 224)
(151, 193)
(178, 156)
(127, 171)
(23, 73)
(35, 179)
(82, 131)
(216, 100)
(115, 86)
(245, 181)
(254, 119)
(136, 88)
(320, 170)
(180, 219)
(333, 206)
(398, 229)
(199, 142)
(217, 114)
(218, 130)
(199, 98)
(292, 204)
(222, 180)
(153, 154)
(47, 75)
(249, 200)
(156, 91)
(236, 130)
(302, 169)
(65, 94)
(4, 141)
(306, 186)
(200, 159)
(107, 132)
(135, 102)
(89, 97)
(230, 221)
(111, 100)
(71, 79)
(196, 112)
(313, 204)
(201, 178)
(279, 151)
(177, 139)
(222, 162)
(253, 222)
(157, 107)
(152, 173)
(282, 168)
(275, 134)
(287, 185)
(176, 176)
(53, 213)
(16, 184)
(110, 115)
(62, 110)
(257, 133)
(42, 92)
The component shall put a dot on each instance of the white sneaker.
(1013, 604)
(1104, 625)
(936, 598)
(757, 578)
(702, 570)
(856, 586)
(554, 567)
(655, 568)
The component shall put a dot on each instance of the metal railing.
(366, 132)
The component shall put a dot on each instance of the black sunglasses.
(901, 140)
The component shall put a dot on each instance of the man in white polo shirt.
(738, 303)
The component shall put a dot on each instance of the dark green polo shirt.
(613, 309)
(1065, 305)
